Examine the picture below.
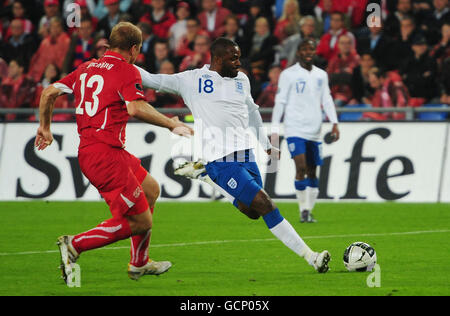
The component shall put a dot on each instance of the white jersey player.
(223, 109)
(302, 93)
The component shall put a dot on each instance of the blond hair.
(124, 36)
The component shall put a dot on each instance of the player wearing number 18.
(107, 92)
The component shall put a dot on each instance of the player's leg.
(284, 231)
(140, 242)
(313, 159)
(244, 183)
(312, 189)
(297, 149)
(301, 184)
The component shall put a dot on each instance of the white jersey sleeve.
(164, 83)
(328, 103)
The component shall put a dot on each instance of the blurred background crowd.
(400, 59)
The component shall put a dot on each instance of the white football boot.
(151, 268)
(68, 256)
(320, 262)
(191, 170)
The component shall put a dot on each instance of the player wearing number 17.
(107, 92)
(302, 91)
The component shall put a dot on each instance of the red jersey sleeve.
(132, 89)
(67, 83)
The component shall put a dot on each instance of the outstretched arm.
(44, 137)
(143, 111)
(159, 82)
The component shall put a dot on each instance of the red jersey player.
(107, 92)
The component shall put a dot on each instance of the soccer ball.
(360, 257)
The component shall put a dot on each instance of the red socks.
(139, 247)
(113, 230)
(106, 233)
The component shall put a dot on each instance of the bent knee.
(253, 215)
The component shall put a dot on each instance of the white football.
(360, 256)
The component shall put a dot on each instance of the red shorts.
(117, 175)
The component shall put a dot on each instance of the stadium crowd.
(400, 59)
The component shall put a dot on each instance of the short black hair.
(306, 41)
(219, 47)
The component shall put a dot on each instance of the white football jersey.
(220, 107)
(300, 97)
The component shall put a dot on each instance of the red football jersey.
(102, 88)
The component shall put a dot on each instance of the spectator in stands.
(106, 24)
(435, 19)
(287, 50)
(389, 93)
(262, 50)
(148, 43)
(308, 28)
(232, 33)
(19, 45)
(323, 15)
(340, 71)
(16, 90)
(267, 97)
(161, 53)
(200, 56)
(361, 89)
(159, 18)
(185, 46)
(419, 72)
(82, 46)
(288, 24)
(378, 44)
(51, 8)
(212, 18)
(51, 75)
(19, 13)
(178, 29)
(328, 45)
(441, 51)
(392, 24)
(256, 11)
(402, 47)
(101, 9)
(51, 49)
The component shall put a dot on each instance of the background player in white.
(223, 109)
(302, 92)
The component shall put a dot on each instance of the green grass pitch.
(217, 251)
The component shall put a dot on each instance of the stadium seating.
(433, 116)
(352, 116)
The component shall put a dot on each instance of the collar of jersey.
(305, 70)
(113, 55)
(206, 67)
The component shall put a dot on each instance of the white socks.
(311, 195)
(287, 234)
(301, 199)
